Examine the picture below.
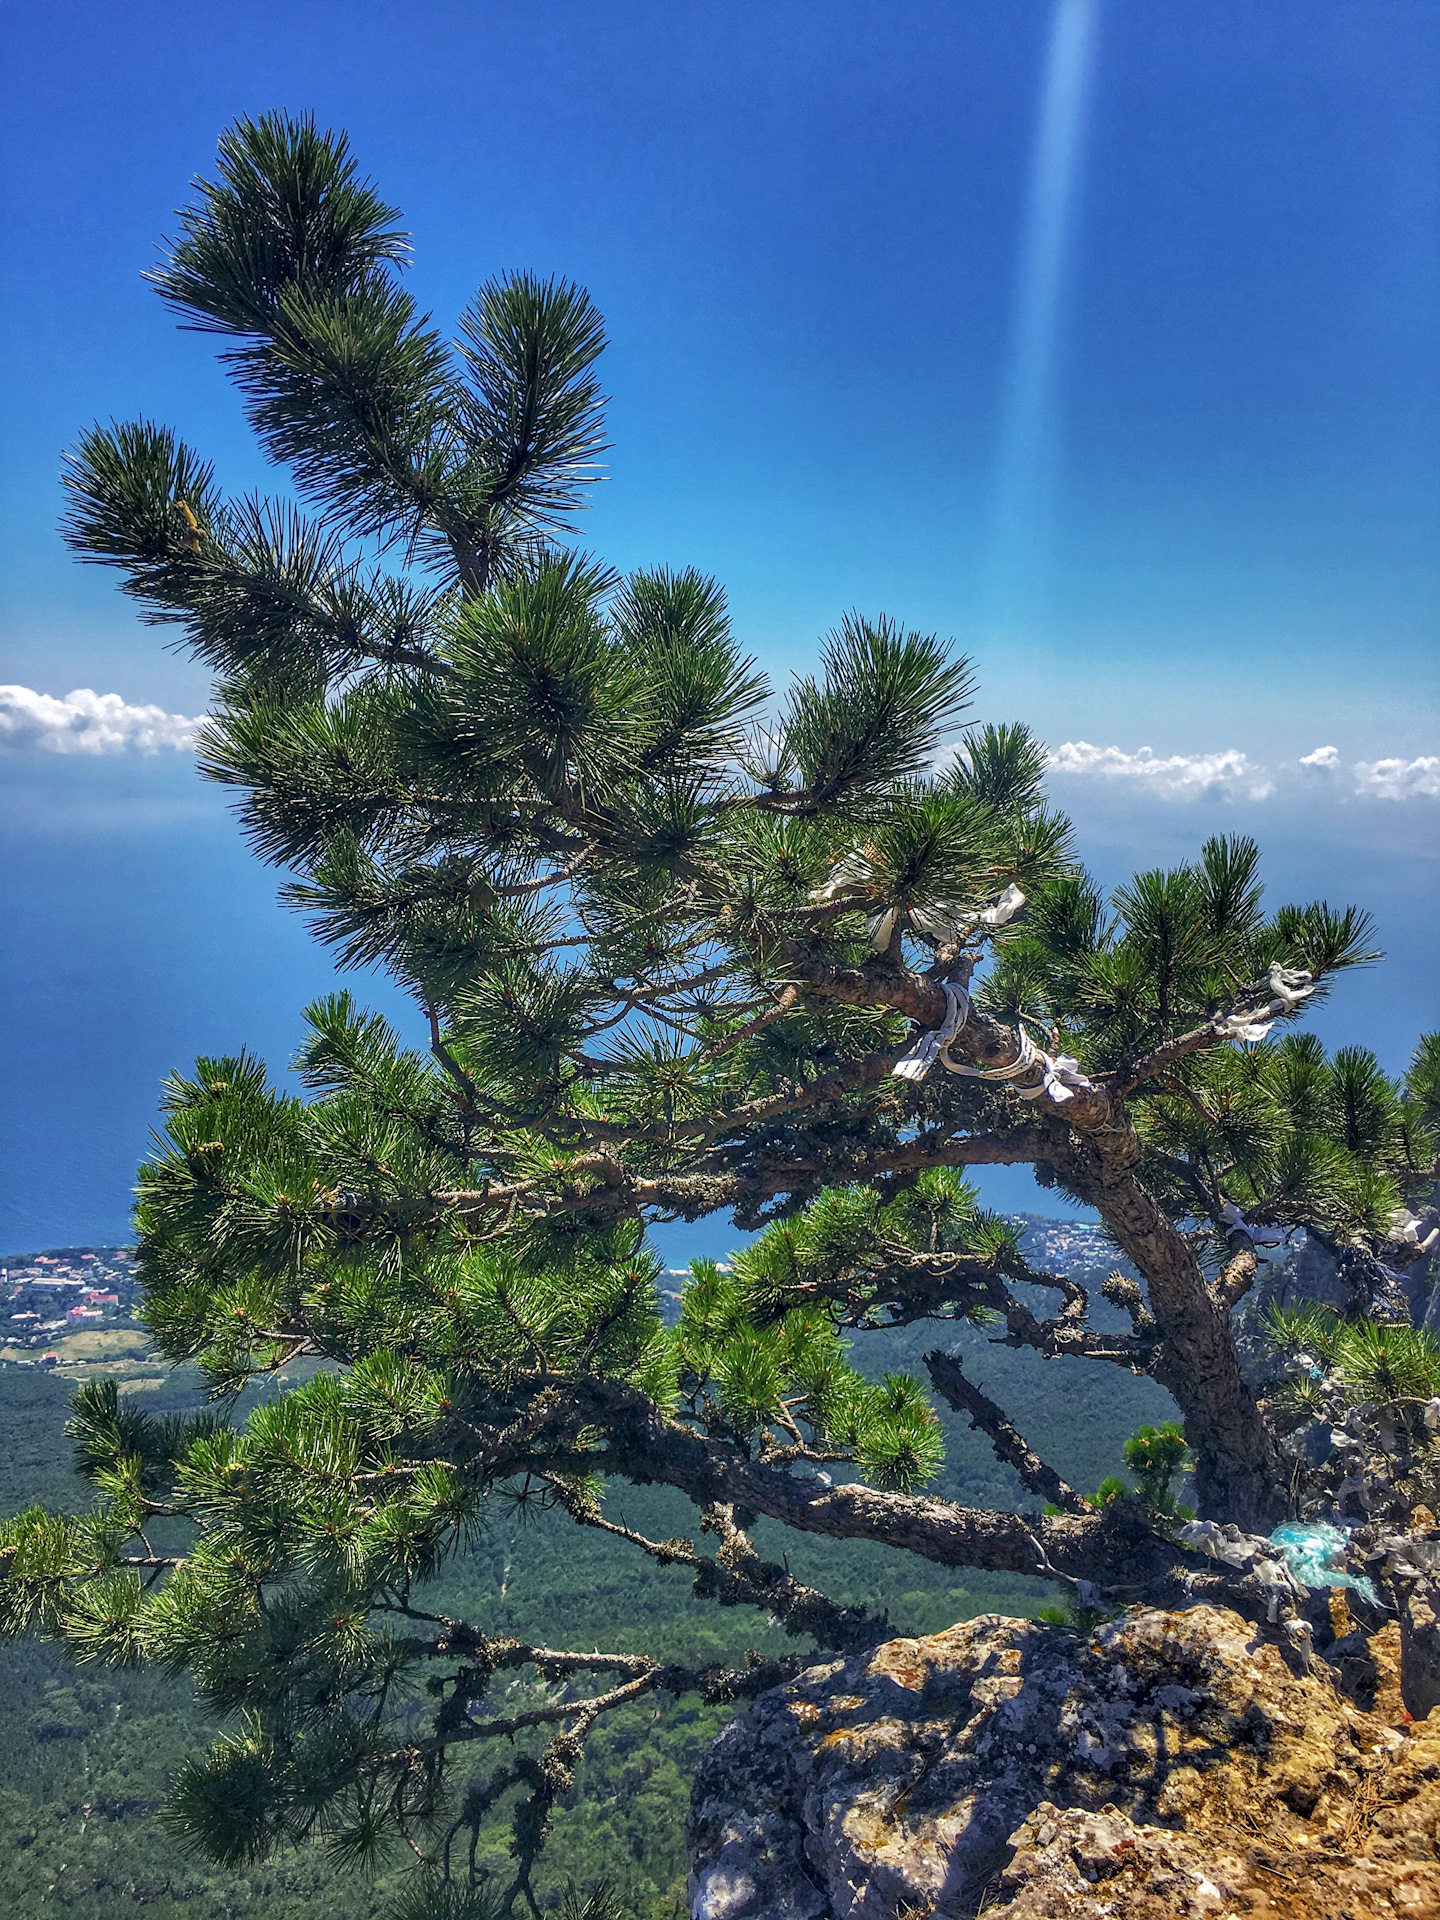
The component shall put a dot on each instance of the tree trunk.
(1237, 1468)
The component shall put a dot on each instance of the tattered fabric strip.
(1287, 989)
(1061, 1079)
(1235, 1222)
(1409, 1230)
(942, 920)
(918, 1059)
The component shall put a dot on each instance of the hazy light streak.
(1025, 450)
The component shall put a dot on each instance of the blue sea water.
(137, 931)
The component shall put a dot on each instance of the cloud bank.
(1177, 775)
(1399, 779)
(88, 722)
(1228, 772)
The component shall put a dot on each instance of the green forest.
(86, 1753)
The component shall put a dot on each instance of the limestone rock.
(1169, 1764)
(1420, 1647)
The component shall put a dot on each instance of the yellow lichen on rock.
(1168, 1767)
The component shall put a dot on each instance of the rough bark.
(1237, 1468)
(947, 1376)
(1239, 1276)
(1116, 1548)
(1096, 1148)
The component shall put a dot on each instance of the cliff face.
(1168, 1765)
(1311, 1273)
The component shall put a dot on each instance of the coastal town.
(46, 1296)
(1065, 1246)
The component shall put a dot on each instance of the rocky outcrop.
(1312, 1272)
(1168, 1765)
(1420, 1648)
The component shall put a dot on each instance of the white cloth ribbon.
(1061, 1079)
(1237, 1551)
(941, 921)
(1287, 989)
(948, 920)
(852, 871)
(918, 1059)
(880, 926)
(1240, 1026)
(1404, 1227)
(1003, 911)
(1406, 1230)
(1235, 1222)
(1025, 1059)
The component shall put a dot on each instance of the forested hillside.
(86, 1753)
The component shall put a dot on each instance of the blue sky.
(1101, 335)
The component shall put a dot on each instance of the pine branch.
(739, 1577)
(949, 1380)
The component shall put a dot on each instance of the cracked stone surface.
(1169, 1764)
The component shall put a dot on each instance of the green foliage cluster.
(1167, 948)
(1294, 1137)
(844, 1249)
(1155, 1456)
(793, 1375)
(1370, 1362)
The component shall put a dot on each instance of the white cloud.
(88, 722)
(1228, 773)
(1174, 776)
(1399, 779)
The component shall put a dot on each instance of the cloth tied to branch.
(1407, 1229)
(1315, 1553)
(1234, 1221)
(852, 871)
(1227, 1544)
(1249, 1553)
(947, 920)
(918, 1059)
(880, 926)
(1287, 989)
(1239, 1026)
(941, 921)
(1061, 1078)
(1003, 911)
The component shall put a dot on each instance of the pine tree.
(683, 945)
